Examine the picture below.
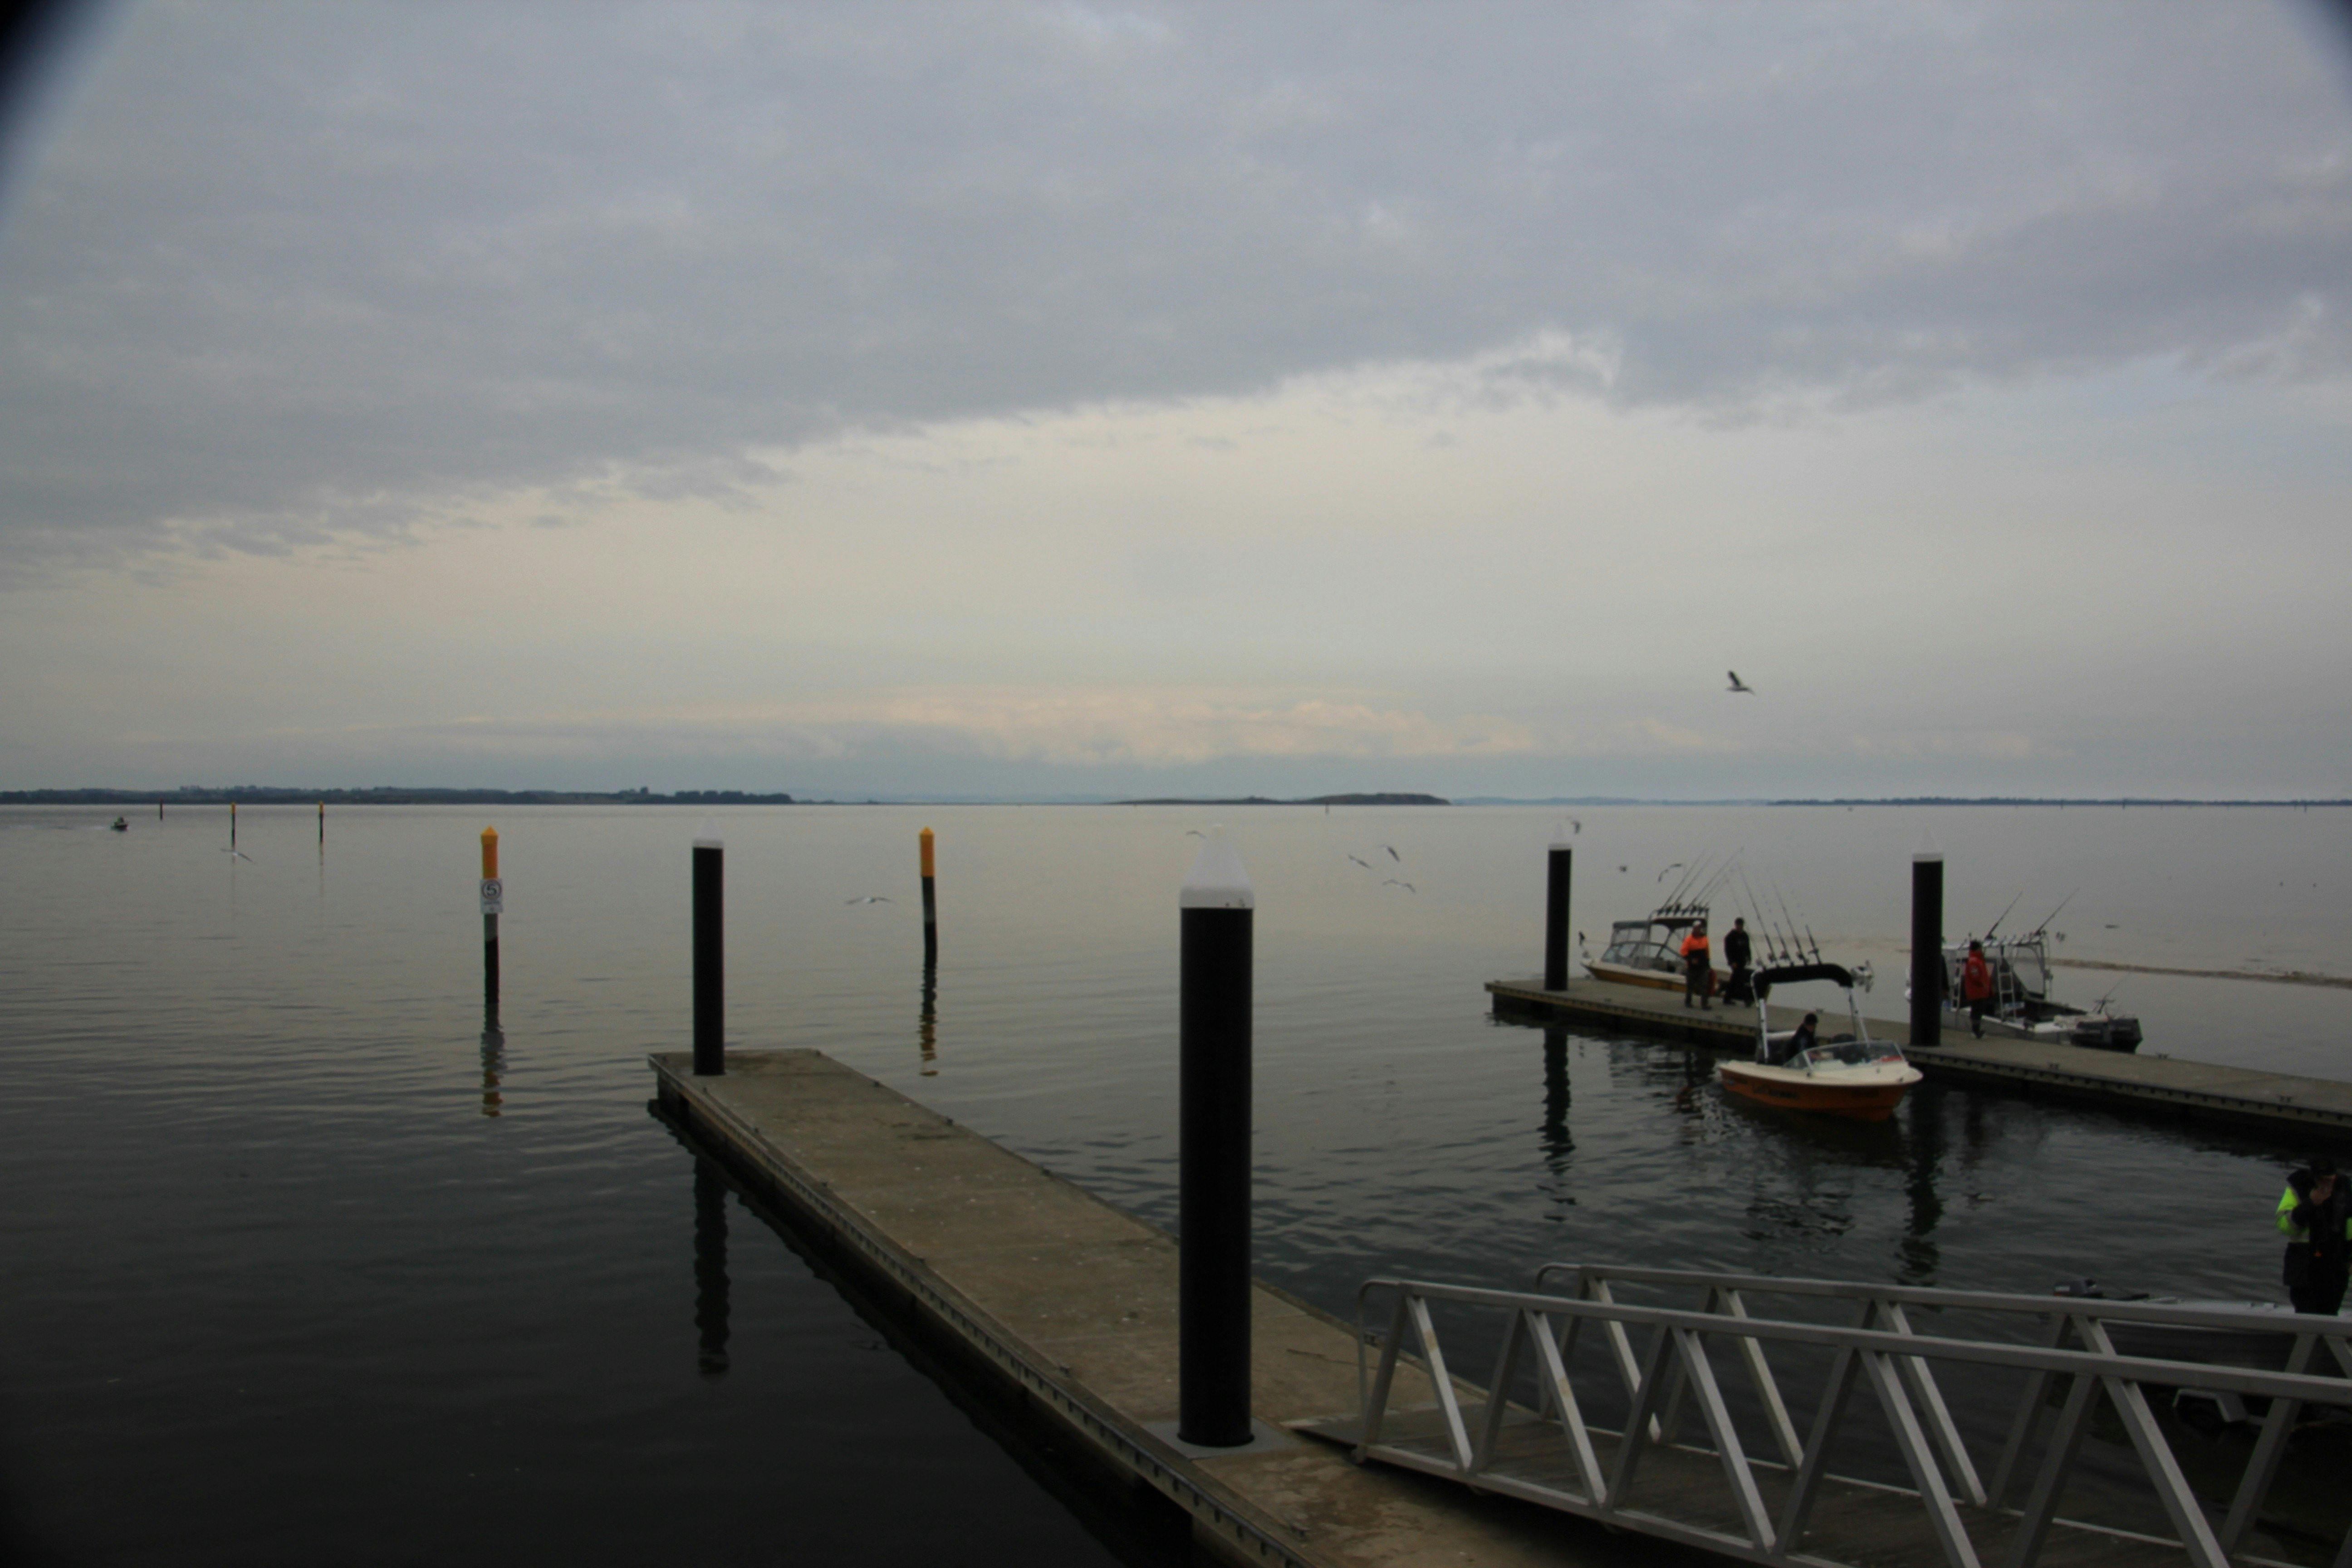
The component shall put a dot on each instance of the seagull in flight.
(240, 854)
(1739, 685)
(1194, 833)
(868, 899)
(1661, 876)
(1392, 882)
(1367, 864)
(1393, 854)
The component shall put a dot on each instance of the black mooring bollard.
(710, 959)
(1212, 1336)
(1563, 862)
(1926, 950)
(931, 903)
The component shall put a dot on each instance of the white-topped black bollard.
(1927, 949)
(709, 956)
(1218, 912)
(1562, 862)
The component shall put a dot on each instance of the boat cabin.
(1656, 943)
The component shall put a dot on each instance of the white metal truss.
(1881, 1350)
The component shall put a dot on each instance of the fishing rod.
(1722, 876)
(2003, 916)
(1690, 873)
(1784, 939)
(2053, 914)
(1787, 916)
(1756, 908)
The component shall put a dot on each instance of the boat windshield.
(1849, 1053)
(1643, 944)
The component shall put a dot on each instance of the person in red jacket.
(1976, 987)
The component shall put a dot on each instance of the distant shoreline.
(272, 794)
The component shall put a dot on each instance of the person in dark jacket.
(2315, 1213)
(1739, 952)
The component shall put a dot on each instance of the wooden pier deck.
(2120, 1081)
(1072, 1302)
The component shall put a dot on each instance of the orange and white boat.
(1846, 1075)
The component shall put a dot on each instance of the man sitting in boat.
(1808, 1035)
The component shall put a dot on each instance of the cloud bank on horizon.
(1058, 394)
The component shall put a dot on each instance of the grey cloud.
(284, 271)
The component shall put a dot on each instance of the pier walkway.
(1072, 1302)
(2120, 1081)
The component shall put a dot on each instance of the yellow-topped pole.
(930, 902)
(494, 896)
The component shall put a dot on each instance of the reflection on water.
(710, 1303)
(494, 1060)
(1915, 1256)
(1558, 1143)
(926, 1022)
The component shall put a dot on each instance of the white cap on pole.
(1559, 835)
(707, 836)
(1928, 848)
(1217, 880)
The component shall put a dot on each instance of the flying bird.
(1392, 882)
(1739, 685)
(240, 854)
(868, 899)
(1623, 869)
(1194, 833)
(1367, 864)
(1661, 876)
(1393, 854)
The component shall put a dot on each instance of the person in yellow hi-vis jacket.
(2315, 1213)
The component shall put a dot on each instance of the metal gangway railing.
(1548, 1452)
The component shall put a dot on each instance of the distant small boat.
(120, 825)
(1848, 1074)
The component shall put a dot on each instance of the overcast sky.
(1054, 399)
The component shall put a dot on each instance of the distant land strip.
(2276, 976)
(1311, 800)
(263, 795)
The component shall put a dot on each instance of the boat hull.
(1657, 979)
(1871, 1097)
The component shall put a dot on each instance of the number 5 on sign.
(494, 896)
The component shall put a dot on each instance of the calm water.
(296, 1266)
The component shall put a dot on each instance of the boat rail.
(1553, 1454)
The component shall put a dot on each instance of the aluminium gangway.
(2058, 1352)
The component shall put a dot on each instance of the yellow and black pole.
(494, 903)
(930, 902)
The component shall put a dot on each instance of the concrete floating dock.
(2119, 1080)
(1072, 1302)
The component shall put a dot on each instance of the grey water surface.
(301, 1264)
